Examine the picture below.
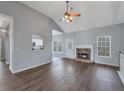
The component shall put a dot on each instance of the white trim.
(0, 48)
(106, 63)
(10, 68)
(27, 68)
(109, 47)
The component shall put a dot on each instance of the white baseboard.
(27, 68)
(10, 68)
(122, 79)
(107, 64)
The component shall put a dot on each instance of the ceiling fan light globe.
(71, 18)
(68, 21)
(63, 19)
(66, 16)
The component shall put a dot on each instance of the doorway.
(0, 49)
(6, 44)
(3, 45)
(57, 45)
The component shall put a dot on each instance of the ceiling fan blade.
(74, 14)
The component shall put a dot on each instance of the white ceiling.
(93, 14)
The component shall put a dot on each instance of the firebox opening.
(83, 53)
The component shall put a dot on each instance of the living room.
(62, 45)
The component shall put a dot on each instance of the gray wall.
(27, 22)
(90, 37)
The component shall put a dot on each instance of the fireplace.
(84, 53)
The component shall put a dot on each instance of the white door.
(69, 48)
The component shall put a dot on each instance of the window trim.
(109, 46)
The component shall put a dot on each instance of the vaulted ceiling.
(93, 14)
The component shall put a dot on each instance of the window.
(37, 44)
(57, 46)
(104, 46)
(70, 44)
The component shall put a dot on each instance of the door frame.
(0, 48)
(11, 41)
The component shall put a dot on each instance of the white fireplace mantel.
(85, 46)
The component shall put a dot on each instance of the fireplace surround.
(84, 52)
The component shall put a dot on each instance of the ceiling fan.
(69, 14)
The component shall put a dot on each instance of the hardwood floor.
(60, 76)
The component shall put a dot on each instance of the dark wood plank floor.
(62, 75)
